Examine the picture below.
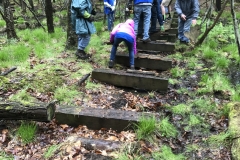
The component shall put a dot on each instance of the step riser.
(168, 37)
(155, 46)
(145, 62)
(124, 79)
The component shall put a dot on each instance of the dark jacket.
(190, 8)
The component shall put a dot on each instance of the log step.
(97, 118)
(147, 61)
(156, 46)
(124, 79)
(163, 36)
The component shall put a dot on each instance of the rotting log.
(234, 127)
(156, 46)
(147, 61)
(40, 112)
(97, 118)
(136, 81)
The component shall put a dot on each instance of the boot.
(81, 54)
(111, 64)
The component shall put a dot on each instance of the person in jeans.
(123, 32)
(156, 15)
(142, 7)
(109, 8)
(187, 11)
(82, 23)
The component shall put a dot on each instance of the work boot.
(81, 54)
(111, 64)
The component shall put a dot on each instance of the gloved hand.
(113, 8)
(93, 12)
(90, 19)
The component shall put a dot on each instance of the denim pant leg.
(131, 52)
(187, 25)
(110, 21)
(159, 13)
(146, 19)
(140, 25)
(153, 19)
(83, 41)
(114, 47)
(136, 18)
(180, 28)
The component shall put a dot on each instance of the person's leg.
(131, 53)
(186, 29)
(180, 28)
(140, 25)
(136, 18)
(110, 21)
(147, 17)
(153, 19)
(114, 48)
(159, 14)
(83, 41)
(163, 12)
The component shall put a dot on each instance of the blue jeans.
(110, 19)
(116, 42)
(83, 41)
(183, 26)
(156, 15)
(146, 11)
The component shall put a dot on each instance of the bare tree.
(49, 15)
(202, 38)
(235, 24)
(8, 17)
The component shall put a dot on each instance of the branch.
(201, 39)
(8, 71)
(1, 12)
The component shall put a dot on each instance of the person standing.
(82, 22)
(188, 11)
(109, 8)
(156, 15)
(142, 7)
(123, 32)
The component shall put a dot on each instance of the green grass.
(203, 105)
(177, 72)
(194, 120)
(167, 129)
(221, 139)
(208, 53)
(23, 96)
(181, 109)
(5, 156)
(27, 132)
(145, 127)
(222, 62)
(2, 23)
(167, 154)
(66, 95)
(51, 151)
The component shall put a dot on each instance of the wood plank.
(156, 46)
(124, 79)
(163, 36)
(97, 118)
(147, 61)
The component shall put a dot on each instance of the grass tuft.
(27, 131)
(166, 128)
(145, 127)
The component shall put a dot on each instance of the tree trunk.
(11, 33)
(235, 24)
(218, 5)
(49, 15)
(202, 38)
(31, 4)
(71, 36)
(37, 112)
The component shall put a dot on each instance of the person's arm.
(106, 4)
(178, 8)
(195, 9)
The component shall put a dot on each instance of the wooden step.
(147, 61)
(97, 118)
(156, 46)
(124, 79)
(172, 31)
(163, 36)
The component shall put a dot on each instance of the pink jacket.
(127, 27)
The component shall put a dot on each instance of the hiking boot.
(162, 28)
(111, 64)
(81, 54)
(146, 40)
(132, 67)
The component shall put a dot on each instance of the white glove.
(113, 8)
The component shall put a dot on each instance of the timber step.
(97, 118)
(156, 46)
(130, 80)
(163, 36)
(146, 61)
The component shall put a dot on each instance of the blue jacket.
(107, 6)
(190, 8)
(79, 10)
(142, 1)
